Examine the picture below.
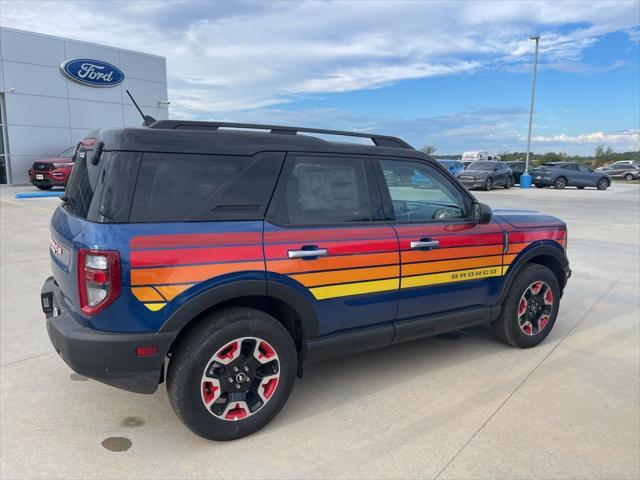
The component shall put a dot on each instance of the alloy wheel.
(535, 307)
(240, 378)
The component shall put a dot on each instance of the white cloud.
(248, 54)
(625, 140)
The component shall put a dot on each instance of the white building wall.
(46, 112)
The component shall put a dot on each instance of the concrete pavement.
(457, 406)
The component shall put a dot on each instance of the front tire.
(602, 184)
(509, 183)
(628, 177)
(232, 373)
(539, 185)
(44, 187)
(530, 309)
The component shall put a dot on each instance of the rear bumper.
(104, 356)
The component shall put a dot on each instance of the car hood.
(527, 218)
(53, 159)
(475, 172)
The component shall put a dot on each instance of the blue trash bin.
(525, 180)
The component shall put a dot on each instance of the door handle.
(316, 252)
(424, 244)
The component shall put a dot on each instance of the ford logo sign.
(92, 72)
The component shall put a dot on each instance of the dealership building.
(53, 91)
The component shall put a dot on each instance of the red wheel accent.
(527, 328)
(265, 351)
(236, 413)
(270, 387)
(548, 297)
(522, 307)
(208, 392)
(543, 322)
(228, 352)
(536, 287)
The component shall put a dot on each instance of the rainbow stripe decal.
(360, 261)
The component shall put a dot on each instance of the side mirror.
(481, 213)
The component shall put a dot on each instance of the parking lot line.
(36, 207)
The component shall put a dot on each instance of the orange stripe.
(172, 291)
(189, 274)
(332, 263)
(517, 247)
(433, 267)
(453, 253)
(347, 276)
(509, 258)
(147, 294)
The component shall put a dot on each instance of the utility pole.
(527, 181)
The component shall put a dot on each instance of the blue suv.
(221, 261)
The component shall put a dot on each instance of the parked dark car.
(569, 174)
(517, 169)
(486, 175)
(623, 171)
(221, 261)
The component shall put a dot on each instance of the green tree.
(429, 149)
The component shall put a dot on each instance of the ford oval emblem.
(92, 72)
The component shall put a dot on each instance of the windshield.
(481, 166)
(68, 153)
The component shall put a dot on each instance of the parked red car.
(54, 172)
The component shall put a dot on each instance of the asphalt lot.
(456, 406)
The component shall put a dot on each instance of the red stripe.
(314, 235)
(426, 230)
(553, 234)
(456, 240)
(194, 240)
(273, 252)
(148, 258)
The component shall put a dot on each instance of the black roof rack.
(378, 140)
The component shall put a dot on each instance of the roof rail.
(378, 140)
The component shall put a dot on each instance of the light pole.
(525, 179)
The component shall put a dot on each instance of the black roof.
(245, 139)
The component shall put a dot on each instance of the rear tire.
(44, 187)
(215, 350)
(628, 177)
(560, 183)
(581, 187)
(602, 184)
(488, 185)
(524, 330)
(539, 185)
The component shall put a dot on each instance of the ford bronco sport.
(222, 258)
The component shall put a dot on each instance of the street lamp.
(525, 179)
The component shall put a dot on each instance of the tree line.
(603, 155)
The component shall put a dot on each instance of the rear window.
(185, 187)
(82, 183)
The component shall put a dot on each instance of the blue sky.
(454, 74)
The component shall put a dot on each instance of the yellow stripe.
(449, 277)
(154, 307)
(346, 289)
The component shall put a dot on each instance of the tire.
(208, 346)
(580, 187)
(539, 185)
(488, 184)
(602, 184)
(509, 326)
(509, 183)
(560, 183)
(628, 177)
(44, 187)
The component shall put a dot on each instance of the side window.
(582, 168)
(570, 167)
(324, 190)
(420, 193)
(185, 187)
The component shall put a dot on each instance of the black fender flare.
(538, 249)
(245, 288)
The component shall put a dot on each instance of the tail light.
(98, 279)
